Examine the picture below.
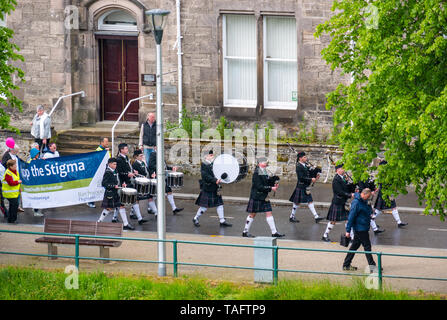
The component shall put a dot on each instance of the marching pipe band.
(127, 182)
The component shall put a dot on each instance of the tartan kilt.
(255, 206)
(114, 202)
(337, 212)
(381, 204)
(209, 199)
(299, 195)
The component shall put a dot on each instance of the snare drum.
(142, 185)
(174, 179)
(153, 186)
(128, 196)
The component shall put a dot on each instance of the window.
(239, 60)
(117, 20)
(280, 63)
(280, 69)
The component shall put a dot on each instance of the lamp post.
(157, 20)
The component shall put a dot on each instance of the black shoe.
(350, 268)
(326, 239)
(278, 235)
(402, 224)
(142, 221)
(196, 222)
(115, 220)
(128, 227)
(149, 210)
(133, 216)
(247, 235)
(225, 224)
(293, 219)
(177, 210)
(378, 231)
(318, 219)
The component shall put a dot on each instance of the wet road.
(422, 231)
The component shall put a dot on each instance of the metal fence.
(276, 268)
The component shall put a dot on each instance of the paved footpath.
(425, 235)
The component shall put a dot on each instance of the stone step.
(73, 151)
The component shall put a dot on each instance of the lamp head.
(157, 21)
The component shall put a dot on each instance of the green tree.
(8, 72)
(395, 52)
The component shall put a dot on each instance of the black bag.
(344, 241)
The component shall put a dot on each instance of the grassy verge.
(34, 284)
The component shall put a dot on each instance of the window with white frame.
(280, 63)
(239, 60)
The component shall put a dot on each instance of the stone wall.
(60, 60)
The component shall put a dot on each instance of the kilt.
(381, 204)
(255, 206)
(337, 212)
(299, 196)
(114, 202)
(209, 199)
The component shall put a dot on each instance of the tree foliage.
(9, 74)
(397, 101)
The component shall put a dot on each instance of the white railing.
(151, 96)
(82, 93)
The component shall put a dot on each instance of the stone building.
(247, 60)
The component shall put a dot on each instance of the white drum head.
(141, 180)
(129, 191)
(226, 163)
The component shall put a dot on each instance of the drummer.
(208, 197)
(168, 190)
(111, 199)
(140, 166)
(125, 173)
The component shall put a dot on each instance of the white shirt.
(50, 155)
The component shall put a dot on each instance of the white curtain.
(280, 54)
(240, 60)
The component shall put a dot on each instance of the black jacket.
(261, 185)
(304, 179)
(123, 167)
(5, 158)
(109, 181)
(141, 168)
(208, 182)
(153, 163)
(150, 134)
(341, 189)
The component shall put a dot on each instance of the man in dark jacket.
(301, 194)
(208, 197)
(152, 174)
(262, 184)
(148, 136)
(359, 220)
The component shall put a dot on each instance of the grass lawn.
(19, 283)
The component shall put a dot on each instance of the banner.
(63, 181)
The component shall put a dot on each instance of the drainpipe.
(179, 62)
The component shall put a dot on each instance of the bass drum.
(229, 168)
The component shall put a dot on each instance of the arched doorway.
(118, 56)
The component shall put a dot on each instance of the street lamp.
(157, 20)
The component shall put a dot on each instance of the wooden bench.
(83, 228)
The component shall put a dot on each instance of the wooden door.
(120, 81)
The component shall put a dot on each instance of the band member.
(140, 166)
(125, 173)
(103, 145)
(370, 185)
(387, 204)
(208, 197)
(262, 184)
(342, 192)
(153, 172)
(300, 194)
(111, 200)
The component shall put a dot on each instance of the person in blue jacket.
(359, 220)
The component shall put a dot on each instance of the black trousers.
(42, 145)
(13, 206)
(360, 238)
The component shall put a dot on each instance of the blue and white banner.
(63, 181)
